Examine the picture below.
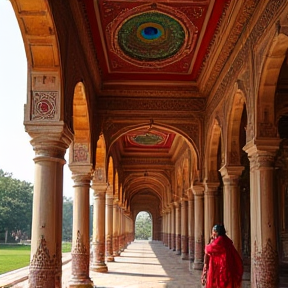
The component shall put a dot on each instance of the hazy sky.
(16, 153)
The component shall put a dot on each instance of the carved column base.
(116, 253)
(197, 266)
(84, 284)
(110, 259)
(185, 256)
(100, 267)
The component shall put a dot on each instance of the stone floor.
(142, 265)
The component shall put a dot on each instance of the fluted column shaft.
(98, 241)
(264, 255)
(109, 226)
(46, 255)
(198, 192)
(82, 176)
(184, 230)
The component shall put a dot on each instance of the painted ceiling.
(150, 45)
(153, 40)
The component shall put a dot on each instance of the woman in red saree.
(223, 263)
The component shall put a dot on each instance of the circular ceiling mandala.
(151, 36)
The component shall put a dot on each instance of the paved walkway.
(142, 265)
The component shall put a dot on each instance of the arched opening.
(281, 115)
(143, 226)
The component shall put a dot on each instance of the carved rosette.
(266, 266)
(80, 259)
(42, 267)
(81, 152)
(44, 105)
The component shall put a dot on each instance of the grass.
(18, 256)
(14, 257)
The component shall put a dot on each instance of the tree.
(67, 219)
(16, 198)
(143, 226)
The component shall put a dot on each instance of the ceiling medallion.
(151, 37)
(148, 139)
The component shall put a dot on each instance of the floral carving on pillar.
(42, 267)
(266, 266)
(80, 259)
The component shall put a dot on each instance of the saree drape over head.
(225, 268)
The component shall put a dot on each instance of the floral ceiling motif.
(149, 139)
(151, 36)
(144, 40)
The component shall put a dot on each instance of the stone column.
(184, 230)
(165, 228)
(231, 197)
(46, 255)
(109, 225)
(178, 227)
(264, 255)
(191, 227)
(169, 228)
(98, 241)
(210, 193)
(173, 233)
(82, 175)
(121, 233)
(115, 229)
(198, 192)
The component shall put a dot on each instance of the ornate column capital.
(99, 189)
(198, 190)
(262, 153)
(228, 171)
(176, 204)
(81, 173)
(50, 140)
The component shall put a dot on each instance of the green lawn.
(13, 257)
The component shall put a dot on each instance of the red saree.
(225, 268)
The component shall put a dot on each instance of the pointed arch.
(234, 129)
(100, 167)
(214, 149)
(265, 117)
(116, 186)
(81, 150)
